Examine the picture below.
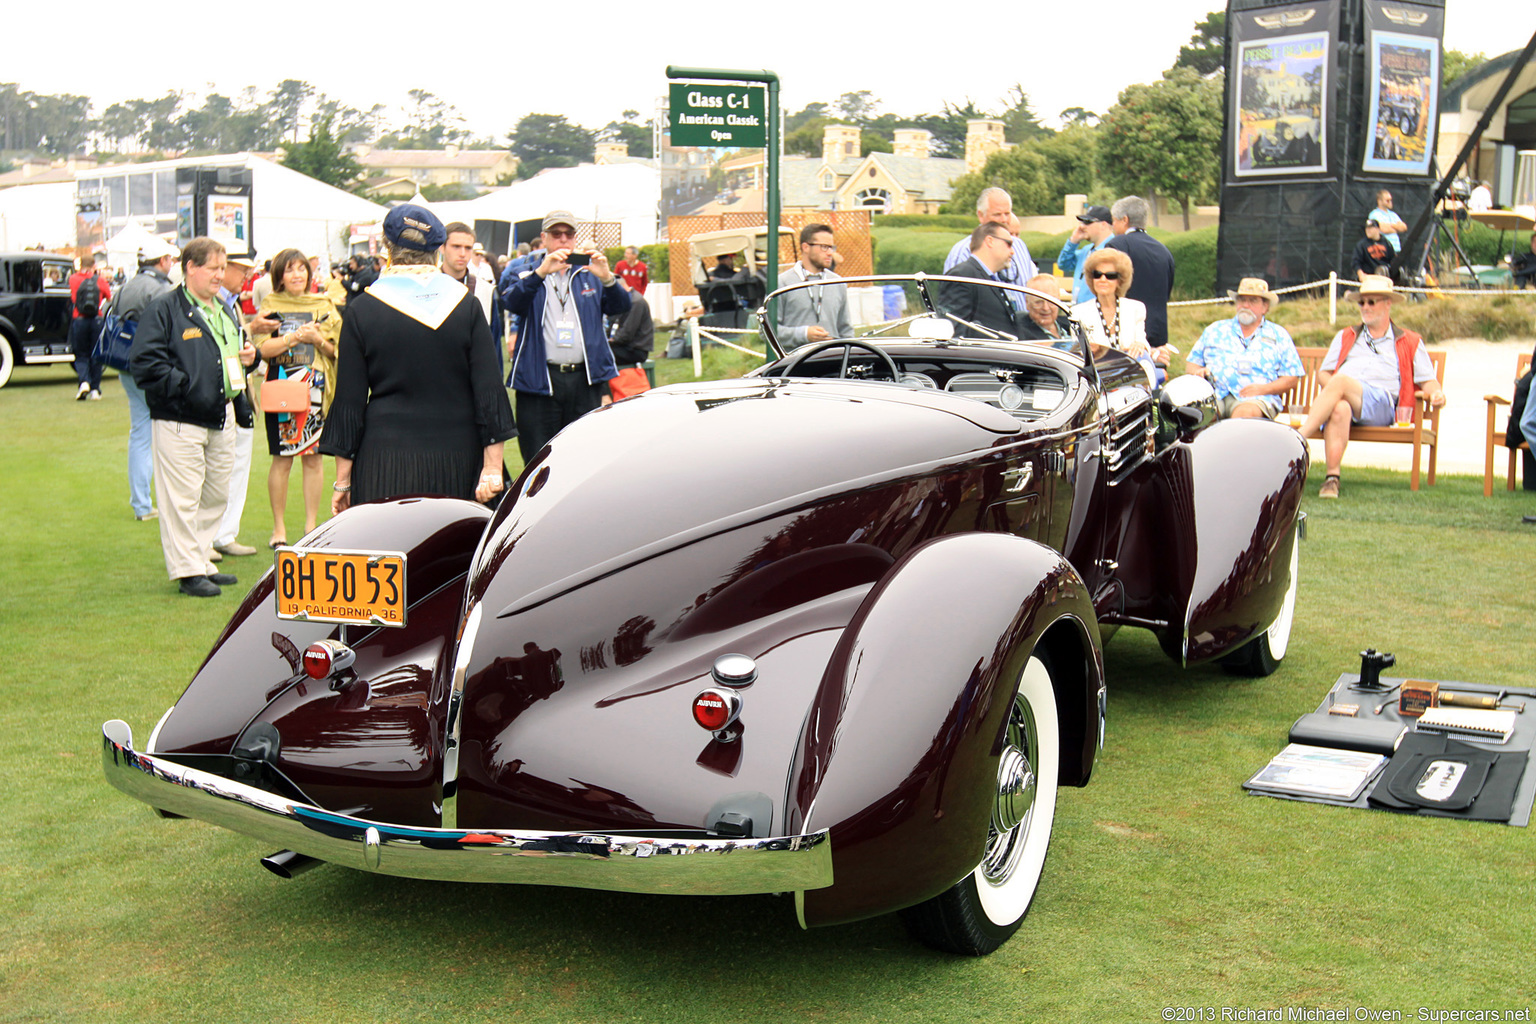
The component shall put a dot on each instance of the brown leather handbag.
(285, 395)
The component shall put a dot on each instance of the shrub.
(910, 250)
(658, 257)
(927, 221)
(1194, 261)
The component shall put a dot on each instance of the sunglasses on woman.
(1108, 275)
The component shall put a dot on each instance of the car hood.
(673, 466)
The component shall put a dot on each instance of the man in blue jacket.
(562, 363)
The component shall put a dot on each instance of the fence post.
(693, 343)
(1333, 297)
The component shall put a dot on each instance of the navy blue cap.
(412, 227)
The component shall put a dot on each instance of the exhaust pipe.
(287, 864)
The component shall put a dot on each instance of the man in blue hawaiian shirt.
(1250, 361)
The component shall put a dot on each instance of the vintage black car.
(832, 631)
(35, 311)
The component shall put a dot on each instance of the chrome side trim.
(465, 648)
(679, 864)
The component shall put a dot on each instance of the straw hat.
(1374, 286)
(1256, 287)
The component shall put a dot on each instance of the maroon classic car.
(832, 631)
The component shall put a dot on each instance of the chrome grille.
(1131, 430)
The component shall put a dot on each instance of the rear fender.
(253, 672)
(900, 749)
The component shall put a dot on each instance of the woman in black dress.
(419, 406)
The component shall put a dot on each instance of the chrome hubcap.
(1015, 790)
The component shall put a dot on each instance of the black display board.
(216, 202)
(1327, 103)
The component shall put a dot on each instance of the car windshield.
(932, 307)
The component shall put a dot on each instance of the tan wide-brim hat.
(1374, 286)
(1258, 288)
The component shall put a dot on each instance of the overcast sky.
(600, 59)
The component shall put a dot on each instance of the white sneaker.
(84, 390)
(94, 396)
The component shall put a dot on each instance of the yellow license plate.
(365, 588)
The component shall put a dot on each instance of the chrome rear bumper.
(701, 865)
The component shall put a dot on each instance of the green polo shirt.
(225, 335)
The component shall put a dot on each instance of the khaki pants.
(192, 467)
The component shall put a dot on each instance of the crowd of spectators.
(408, 362)
(395, 367)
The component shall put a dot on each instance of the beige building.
(43, 171)
(907, 180)
(390, 170)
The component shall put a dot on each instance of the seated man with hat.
(1370, 372)
(1249, 360)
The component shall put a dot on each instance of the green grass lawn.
(1166, 886)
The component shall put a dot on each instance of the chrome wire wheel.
(978, 913)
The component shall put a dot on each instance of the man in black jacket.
(1522, 266)
(1372, 253)
(191, 359)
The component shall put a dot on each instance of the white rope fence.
(1333, 283)
(697, 333)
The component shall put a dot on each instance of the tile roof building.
(387, 169)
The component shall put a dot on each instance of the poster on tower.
(1281, 100)
(1402, 87)
(1281, 92)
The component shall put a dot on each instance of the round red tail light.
(323, 658)
(715, 709)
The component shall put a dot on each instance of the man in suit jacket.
(991, 249)
(1152, 263)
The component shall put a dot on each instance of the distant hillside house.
(607, 153)
(908, 180)
(391, 171)
(43, 171)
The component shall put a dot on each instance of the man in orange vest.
(1369, 376)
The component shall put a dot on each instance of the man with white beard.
(1250, 361)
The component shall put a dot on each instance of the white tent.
(37, 215)
(627, 193)
(288, 209)
(123, 247)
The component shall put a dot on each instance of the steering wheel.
(805, 352)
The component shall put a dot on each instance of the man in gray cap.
(1092, 232)
(562, 363)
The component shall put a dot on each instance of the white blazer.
(1133, 322)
